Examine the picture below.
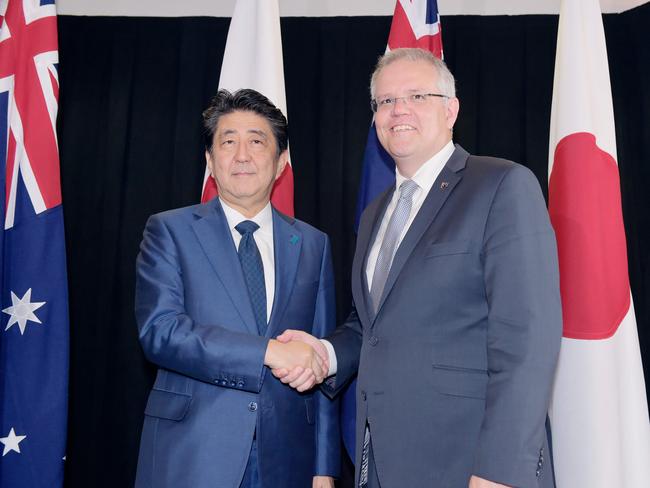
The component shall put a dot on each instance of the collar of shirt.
(264, 219)
(429, 171)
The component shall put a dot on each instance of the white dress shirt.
(264, 240)
(424, 178)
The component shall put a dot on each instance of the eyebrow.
(409, 91)
(259, 132)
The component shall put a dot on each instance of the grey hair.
(446, 81)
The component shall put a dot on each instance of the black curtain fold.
(132, 91)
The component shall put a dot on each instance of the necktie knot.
(246, 227)
(407, 189)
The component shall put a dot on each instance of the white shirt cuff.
(331, 356)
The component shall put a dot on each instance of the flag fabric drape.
(253, 59)
(598, 412)
(33, 293)
(416, 23)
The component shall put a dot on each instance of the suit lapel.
(287, 244)
(368, 228)
(440, 191)
(213, 233)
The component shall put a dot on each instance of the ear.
(208, 162)
(282, 162)
(451, 112)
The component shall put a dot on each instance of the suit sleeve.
(328, 437)
(171, 338)
(524, 329)
(346, 341)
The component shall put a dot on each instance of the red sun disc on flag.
(585, 209)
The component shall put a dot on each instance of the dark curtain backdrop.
(132, 90)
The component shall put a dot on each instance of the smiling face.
(244, 161)
(411, 133)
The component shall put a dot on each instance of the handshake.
(298, 359)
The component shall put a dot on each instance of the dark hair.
(247, 100)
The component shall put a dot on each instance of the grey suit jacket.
(455, 368)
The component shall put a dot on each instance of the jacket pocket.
(448, 248)
(462, 382)
(309, 406)
(167, 405)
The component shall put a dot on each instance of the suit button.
(233, 384)
(363, 396)
(252, 406)
(373, 341)
(240, 384)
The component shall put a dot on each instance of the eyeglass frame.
(408, 99)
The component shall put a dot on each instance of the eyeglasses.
(413, 99)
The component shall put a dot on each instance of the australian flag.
(33, 284)
(416, 23)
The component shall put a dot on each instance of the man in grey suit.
(456, 324)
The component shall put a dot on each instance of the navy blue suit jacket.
(455, 368)
(212, 390)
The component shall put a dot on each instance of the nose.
(242, 155)
(400, 106)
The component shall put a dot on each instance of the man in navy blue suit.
(215, 284)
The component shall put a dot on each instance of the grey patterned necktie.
(389, 245)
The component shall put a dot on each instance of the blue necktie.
(389, 245)
(251, 265)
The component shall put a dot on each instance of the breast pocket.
(306, 285)
(449, 248)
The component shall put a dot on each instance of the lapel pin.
(294, 239)
(444, 185)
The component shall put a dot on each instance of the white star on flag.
(11, 442)
(22, 310)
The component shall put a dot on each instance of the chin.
(245, 193)
(400, 151)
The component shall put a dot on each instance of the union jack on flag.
(416, 23)
(33, 292)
